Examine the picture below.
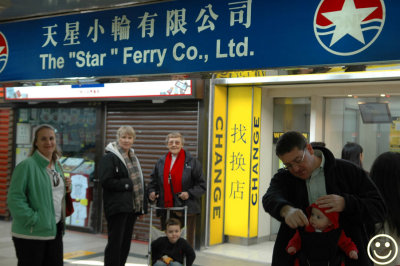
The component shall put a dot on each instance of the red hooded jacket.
(345, 243)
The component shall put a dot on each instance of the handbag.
(178, 202)
(69, 207)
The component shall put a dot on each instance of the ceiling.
(11, 10)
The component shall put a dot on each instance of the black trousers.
(40, 252)
(120, 229)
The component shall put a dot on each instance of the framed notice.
(23, 133)
(21, 154)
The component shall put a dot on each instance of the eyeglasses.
(56, 178)
(295, 161)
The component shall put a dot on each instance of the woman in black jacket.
(123, 195)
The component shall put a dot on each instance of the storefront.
(6, 137)
(361, 107)
(239, 117)
(85, 127)
(152, 122)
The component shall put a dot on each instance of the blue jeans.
(173, 263)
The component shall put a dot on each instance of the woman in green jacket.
(36, 200)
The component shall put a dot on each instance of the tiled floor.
(87, 249)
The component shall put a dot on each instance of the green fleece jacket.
(30, 200)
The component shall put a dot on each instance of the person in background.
(314, 175)
(123, 195)
(37, 202)
(187, 179)
(172, 249)
(353, 152)
(385, 173)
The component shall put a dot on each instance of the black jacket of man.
(363, 203)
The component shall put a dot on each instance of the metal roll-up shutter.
(152, 123)
(6, 136)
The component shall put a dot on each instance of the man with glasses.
(313, 175)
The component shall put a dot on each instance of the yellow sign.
(238, 161)
(255, 162)
(242, 74)
(276, 136)
(218, 166)
(394, 136)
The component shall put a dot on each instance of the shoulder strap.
(170, 183)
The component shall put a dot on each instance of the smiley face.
(382, 249)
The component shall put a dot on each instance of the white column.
(266, 153)
(316, 118)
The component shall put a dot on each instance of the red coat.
(345, 243)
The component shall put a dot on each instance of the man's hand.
(294, 217)
(333, 203)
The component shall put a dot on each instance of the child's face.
(173, 233)
(318, 220)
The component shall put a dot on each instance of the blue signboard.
(201, 36)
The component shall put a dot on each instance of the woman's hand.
(184, 195)
(68, 184)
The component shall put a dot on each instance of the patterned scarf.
(133, 166)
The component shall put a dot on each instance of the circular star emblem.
(3, 51)
(348, 27)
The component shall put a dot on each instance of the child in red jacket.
(319, 240)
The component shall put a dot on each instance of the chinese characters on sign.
(242, 162)
(120, 26)
(191, 36)
(128, 29)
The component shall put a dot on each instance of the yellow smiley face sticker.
(382, 249)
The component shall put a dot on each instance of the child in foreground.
(319, 240)
(172, 249)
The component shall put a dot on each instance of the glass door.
(289, 114)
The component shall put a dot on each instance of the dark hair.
(318, 143)
(172, 221)
(385, 173)
(288, 141)
(351, 152)
(56, 154)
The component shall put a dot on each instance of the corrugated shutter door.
(6, 118)
(152, 123)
